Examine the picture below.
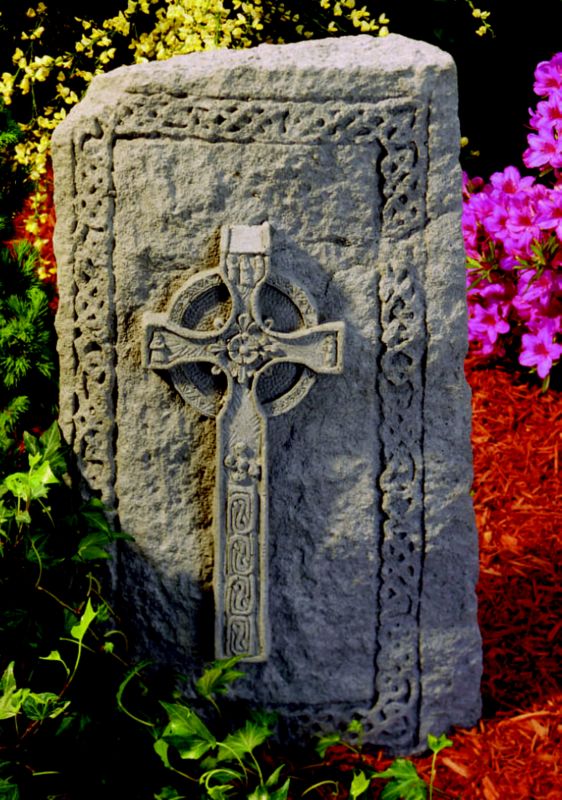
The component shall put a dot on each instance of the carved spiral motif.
(240, 595)
(239, 638)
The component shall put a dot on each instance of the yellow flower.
(106, 55)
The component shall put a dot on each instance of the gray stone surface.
(333, 165)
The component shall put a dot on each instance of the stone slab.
(348, 150)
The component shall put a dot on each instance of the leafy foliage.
(56, 664)
(27, 349)
(13, 183)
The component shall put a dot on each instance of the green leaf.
(8, 790)
(274, 777)
(359, 785)
(282, 793)
(243, 741)
(91, 547)
(265, 719)
(31, 443)
(218, 677)
(161, 747)
(54, 655)
(22, 517)
(44, 705)
(169, 793)
(51, 443)
(260, 793)
(219, 792)
(404, 784)
(263, 793)
(6, 514)
(438, 743)
(326, 741)
(33, 484)
(186, 731)
(79, 631)
(355, 726)
(11, 698)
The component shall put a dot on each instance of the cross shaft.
(242, 348)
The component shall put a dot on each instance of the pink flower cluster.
(513, 238)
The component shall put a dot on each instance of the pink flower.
(550, 213)
(521, 225)
(539, 350)
(544, 149)
(487, 322)
(538, 299)
(548, 113)
(548, 76)
(510, 181)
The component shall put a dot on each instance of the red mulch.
(515, 752)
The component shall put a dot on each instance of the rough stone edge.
(451, 666)
(223, 72)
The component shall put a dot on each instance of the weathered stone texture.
(348, 150)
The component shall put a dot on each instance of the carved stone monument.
(262, 327)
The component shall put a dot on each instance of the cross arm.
(319, 348)
(167, 345)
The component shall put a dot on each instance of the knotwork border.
(88, 413)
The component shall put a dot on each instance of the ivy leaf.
(438, 743)
(22, 517)
(355, 726)
(274, 777)
(243, 741)
(11, 698)
(93, 512)
(54, 655)
(5, 515)
(404, 784)
(260, 793)
(218, 677)
(186, 731)
(161, 748)
(91, 547)
(359, 785)
(79, 631)
(326, 741)
(219, 792)
(282, 793)
(51, 444)
(169, 793)
(33, 484)
(44, 705)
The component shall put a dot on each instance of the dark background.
(495, 73)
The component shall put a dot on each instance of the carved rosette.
(247, 350)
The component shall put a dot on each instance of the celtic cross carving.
(260, 334)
